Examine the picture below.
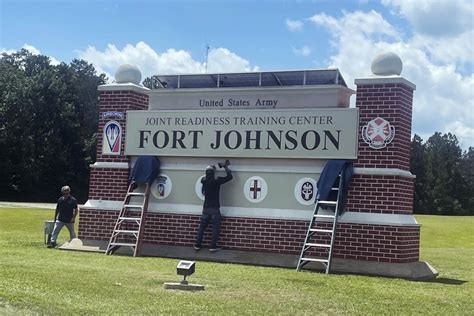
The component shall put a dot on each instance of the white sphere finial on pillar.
(387, 64)
(128, 74)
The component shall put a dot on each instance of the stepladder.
(319, 240)
(129, 227)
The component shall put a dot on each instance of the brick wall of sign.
(392, 102)
(117, 101)
(353, 241)
(108, 184)
(111, 183)
(368, 193)
(382, 193)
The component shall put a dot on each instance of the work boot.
(215, 248)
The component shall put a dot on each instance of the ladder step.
(324, 216)
(132, 206)
(136, 194)
(318, 245)
(130, 218)
(122, 244)
(315, 260)
(328, 202)
(320, 230)
(126, 231)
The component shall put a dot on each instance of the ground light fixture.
(184, 268)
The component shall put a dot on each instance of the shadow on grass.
(448, 281)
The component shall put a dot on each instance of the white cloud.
(458, 128)
(444, 29)
(435, 18)
(171, 61)
(294, 25)
(303, 51)
(357, 23)
(443, 100)
(7, 51)
(33, 50)
(223, 60)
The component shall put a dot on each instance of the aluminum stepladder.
(129, 227)
(315, 230)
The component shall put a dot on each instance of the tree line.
(48, 124)
(48, 137)
(444, 183)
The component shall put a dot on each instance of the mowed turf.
(37, 280)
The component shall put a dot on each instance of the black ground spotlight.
(185, 268)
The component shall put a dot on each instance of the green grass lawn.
(37, 280)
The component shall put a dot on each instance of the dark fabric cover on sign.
(328, 180)
(146, 169)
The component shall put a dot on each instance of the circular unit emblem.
(255, 189)
(198, 188)
(378, 133)
(305, 191)
(161, 187)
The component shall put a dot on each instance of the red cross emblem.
(378, 133)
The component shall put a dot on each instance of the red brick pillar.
(109, 174)
(382, 187)
(389, 99)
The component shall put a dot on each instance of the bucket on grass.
(48, 231)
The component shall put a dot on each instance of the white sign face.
(378, 133)
(308, 133)
(255, 189)
(305, 191)
(161, 187)
(111, 138)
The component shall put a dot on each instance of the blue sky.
(433, 38)
(255, 30)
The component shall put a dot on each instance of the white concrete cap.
(387, 64)
(128, 74)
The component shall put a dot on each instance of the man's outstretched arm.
(228, 177)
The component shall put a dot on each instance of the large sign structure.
(278, 129)
(307, 134)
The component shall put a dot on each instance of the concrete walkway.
(4, 204)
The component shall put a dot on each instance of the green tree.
(444, 180)
(47, 127)
(417, 167)
(467, 171)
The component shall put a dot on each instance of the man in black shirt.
(211, 208)
(67, 210)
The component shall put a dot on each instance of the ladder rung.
(324, 216)
(122, 244)
(328, 202)
(318, 245)
(136, 194)
(126, 231)
(315, 260)
(320, 230)
(132, 206)
(130, 218)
